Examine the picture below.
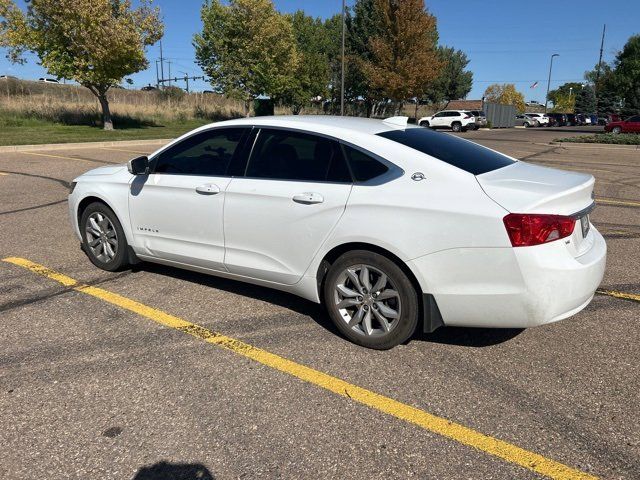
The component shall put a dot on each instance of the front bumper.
(512, 287)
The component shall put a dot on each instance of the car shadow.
(469, 337)
(464, 337)
(174, 471)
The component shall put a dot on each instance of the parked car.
(557, 119)
(572, 120)
(525, 121)
(582, 119)
(542, 119)
(302, 204)
(606, 119)
(594, 119)
(148, 88)
(456, 120)
(481, 118)
(48, 80)
(8, 77)
(630, 125)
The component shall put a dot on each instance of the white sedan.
(393, 227)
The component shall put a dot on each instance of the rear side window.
(208, 153)
(363, 166)
(455, 151)
(286, 155)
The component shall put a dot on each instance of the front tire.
(371, 300)
(424, 124)
(103, 239)
(616, 130)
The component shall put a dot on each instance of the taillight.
(525, 230)
(466, 116)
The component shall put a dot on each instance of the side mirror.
(138, 166)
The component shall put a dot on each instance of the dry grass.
(73, 105)
(24, 101)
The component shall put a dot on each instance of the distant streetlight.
(342, 72)
(546, 99)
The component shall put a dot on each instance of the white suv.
(542, 119)
(392, 226)
(456, 120)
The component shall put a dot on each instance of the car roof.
(327, 124)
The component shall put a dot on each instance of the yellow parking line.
(123, 150)
(616, 294)
(442, 426)
(608, 201)
(3, 174)
(56, 156)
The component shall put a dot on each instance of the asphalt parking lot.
(158, 371)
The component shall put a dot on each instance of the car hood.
(106, 170)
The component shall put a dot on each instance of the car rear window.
(455, 151)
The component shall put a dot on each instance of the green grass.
(605, 138)
(30, 131)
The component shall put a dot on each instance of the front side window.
(455, 151)
(207, 153)
(287, 155)
(634, 119)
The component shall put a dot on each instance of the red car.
(630, 125)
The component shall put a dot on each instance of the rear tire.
(371, 300)
(103, 238)
(456, 126)
(526, 124)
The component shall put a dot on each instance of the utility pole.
(161, 62)
(157, 76)
(342, 72)
(186, 80)
(169, 62)
(595, 87)
(546, 99)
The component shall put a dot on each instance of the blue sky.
(507, 41)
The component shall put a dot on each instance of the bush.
(171, 93)
(605, 138)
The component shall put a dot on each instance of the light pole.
(342, 71)
(546, 99)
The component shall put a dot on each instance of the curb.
(595, 146)
(62, 146)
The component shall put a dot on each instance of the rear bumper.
(512, 287)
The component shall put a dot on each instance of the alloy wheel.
(367, 300)
(101, 237)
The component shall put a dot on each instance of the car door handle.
(308, 198)
(208, 189)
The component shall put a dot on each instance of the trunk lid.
(526, 188)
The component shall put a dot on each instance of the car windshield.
(455, 151)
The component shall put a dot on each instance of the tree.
(94, 42)
(564, 103)
(403, 58)
(312, 76)
(565, 90)
(627, 76)
(585, 101)
(454, 81)
(247, 49)
(505, 94)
